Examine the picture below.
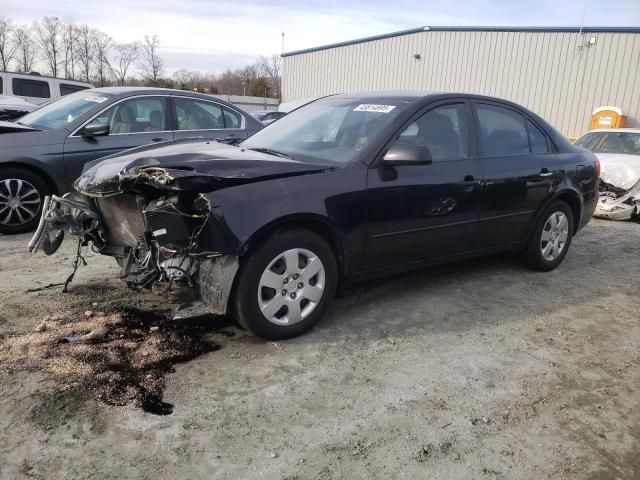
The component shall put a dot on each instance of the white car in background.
(12, 108)
(618, 150)
(36, 88)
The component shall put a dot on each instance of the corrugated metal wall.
(547, 72)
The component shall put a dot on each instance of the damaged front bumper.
(157, 242)
(614, 204)
(71, 213)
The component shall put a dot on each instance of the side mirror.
(95, 130)
(403, 154)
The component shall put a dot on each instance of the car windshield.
(328, 130)
(64, 110)
(611, 142)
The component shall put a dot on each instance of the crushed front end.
(152, 221)
(619, 187)
(618, 204)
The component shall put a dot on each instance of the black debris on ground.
(121, 357)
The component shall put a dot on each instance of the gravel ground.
(475, 370)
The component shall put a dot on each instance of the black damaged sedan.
(345, 188)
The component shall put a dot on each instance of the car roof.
(415, 95)
(125, 91)
(407, 95)
(121, 90)
(151, 91)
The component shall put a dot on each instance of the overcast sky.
(212, 35)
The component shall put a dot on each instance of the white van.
(36, 88)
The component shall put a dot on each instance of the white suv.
(36, 88)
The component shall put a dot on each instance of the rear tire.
(551, 238)
(22, 194)
(284, 285)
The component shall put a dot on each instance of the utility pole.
(282, 51)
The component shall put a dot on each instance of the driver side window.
(443, 130)
(138, 115)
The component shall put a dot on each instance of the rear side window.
(66, 89)
(502, 131)
(1, 89)
(196, 114)
(231, 119)
(30, 88)
(537, 139)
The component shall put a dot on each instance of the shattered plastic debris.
(121, 357)
(619, 187)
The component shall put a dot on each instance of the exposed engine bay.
(155, 231)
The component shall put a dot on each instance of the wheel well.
(315, 226)
(35, 170)
(573, 201)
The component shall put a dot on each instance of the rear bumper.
(589, 203)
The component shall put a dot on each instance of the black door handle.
(545, 173)
(158, 139)
(469, 178)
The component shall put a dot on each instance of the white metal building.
(560, 73)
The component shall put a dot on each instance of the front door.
(132, 122)
(419, 212)
(521, 172)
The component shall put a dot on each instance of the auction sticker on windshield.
(95, 98)
(365, 107)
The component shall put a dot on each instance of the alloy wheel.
(291, 286)
(19, 202)
(554, 236)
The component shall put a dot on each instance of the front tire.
(22, 194)
(551, 238)
(285, 284)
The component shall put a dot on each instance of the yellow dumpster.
(607, 117)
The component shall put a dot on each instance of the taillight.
(597, 167)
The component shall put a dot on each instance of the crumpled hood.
(619, 170)
(196, 165)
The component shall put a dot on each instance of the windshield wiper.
(269, 151)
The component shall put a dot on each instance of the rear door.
(420, 212)
(521, 172)
(132, 122)
(197, 117)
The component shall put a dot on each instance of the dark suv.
(45, 151)
(345, 188)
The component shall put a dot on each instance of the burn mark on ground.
(120, 357)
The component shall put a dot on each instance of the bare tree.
(85, 50)
(151, 65)
(271, 68)
(8, 45)
(103, 44)
(69, 40)
(188, 79)
(126, 55)
(25, 49)
(49, 36)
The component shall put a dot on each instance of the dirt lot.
(483, 370)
